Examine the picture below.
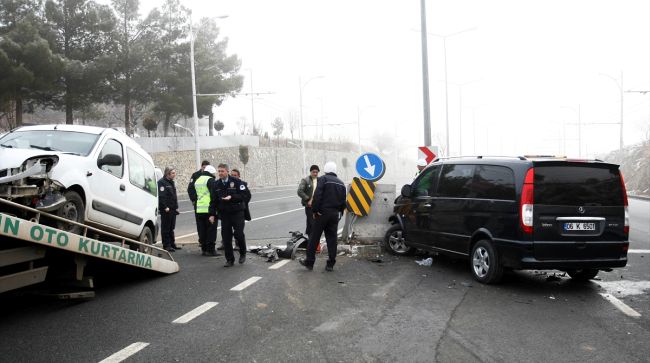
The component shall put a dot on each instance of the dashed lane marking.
(194, 313)
(638, 251)
(620, 305)
(279, 264)
(125, 353)
(246, 283)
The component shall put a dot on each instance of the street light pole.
(195, 115)
(620, 88)
(444, 53)
(301, 86)
(425, 76)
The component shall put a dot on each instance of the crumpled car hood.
(14, 158)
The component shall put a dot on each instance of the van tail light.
(626, 228)
(527, 202)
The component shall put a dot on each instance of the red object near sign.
(428, 153)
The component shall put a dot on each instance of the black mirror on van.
(406, 191)
(110, 159)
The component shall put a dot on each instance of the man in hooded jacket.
(327, 207)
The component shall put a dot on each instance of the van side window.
(455, 181)
(141, 172)
(426, 183)
(493, 182)
(115, 148)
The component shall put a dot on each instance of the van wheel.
(583, 275)
(394, 241)
(72, 209)
(146, 237)
(485, 263)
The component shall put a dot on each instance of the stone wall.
(268, 166)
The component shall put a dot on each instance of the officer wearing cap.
(228, 198)
(206, 227)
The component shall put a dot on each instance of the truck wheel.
(583, 275)
(395, 243)
(146, 237)
(73, 209)
(485, 263)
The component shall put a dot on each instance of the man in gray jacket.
(306, 193)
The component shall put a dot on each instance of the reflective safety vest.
(202, 194)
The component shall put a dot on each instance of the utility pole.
(425, 76)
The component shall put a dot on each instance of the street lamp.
(579, 129)
(195, 114)
(184, 128)
(302, 131)
(359, 111)
(460, 115)
(444, 49)
(620, 88)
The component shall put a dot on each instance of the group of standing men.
(218, 194)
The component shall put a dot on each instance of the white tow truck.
(70, 192)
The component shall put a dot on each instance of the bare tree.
(242, 124)
(292, 121)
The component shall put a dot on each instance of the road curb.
(640, 197)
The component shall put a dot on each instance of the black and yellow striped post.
(360, 197)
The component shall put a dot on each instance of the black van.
(516, 213)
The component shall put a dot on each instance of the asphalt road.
(364, 311)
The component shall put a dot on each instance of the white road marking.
(620, 305)
(279, 264)
(638, 251)
(194, 313)
(268, 200)
(125, 353)
(253, 220)
(246, 283)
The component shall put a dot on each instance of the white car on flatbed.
(92, 175)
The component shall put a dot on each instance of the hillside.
(635, 165)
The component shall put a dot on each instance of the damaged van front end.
(25, 178)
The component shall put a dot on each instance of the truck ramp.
(24, 241)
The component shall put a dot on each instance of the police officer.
(168, 207)
(247, 193)
(327, 206)
(228, 202)
(206, 228)
(191, 193)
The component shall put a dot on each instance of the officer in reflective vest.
(206, 227)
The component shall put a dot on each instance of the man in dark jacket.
(327, 207)
(168, 207)
(306, 190)
(191, 193)
(228, 202)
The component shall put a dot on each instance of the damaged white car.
(92, 175)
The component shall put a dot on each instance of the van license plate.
(579, 226)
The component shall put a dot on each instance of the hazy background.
(525, 70)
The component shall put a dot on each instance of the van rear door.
(579, 211)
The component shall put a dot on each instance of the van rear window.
(577, 185)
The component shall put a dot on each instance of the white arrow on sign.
(369, 167)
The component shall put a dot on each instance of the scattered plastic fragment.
(425, 262)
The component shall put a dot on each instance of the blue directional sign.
(370, 167)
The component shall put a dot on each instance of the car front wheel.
(485, 263)
(395, 243)
(72, 209)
